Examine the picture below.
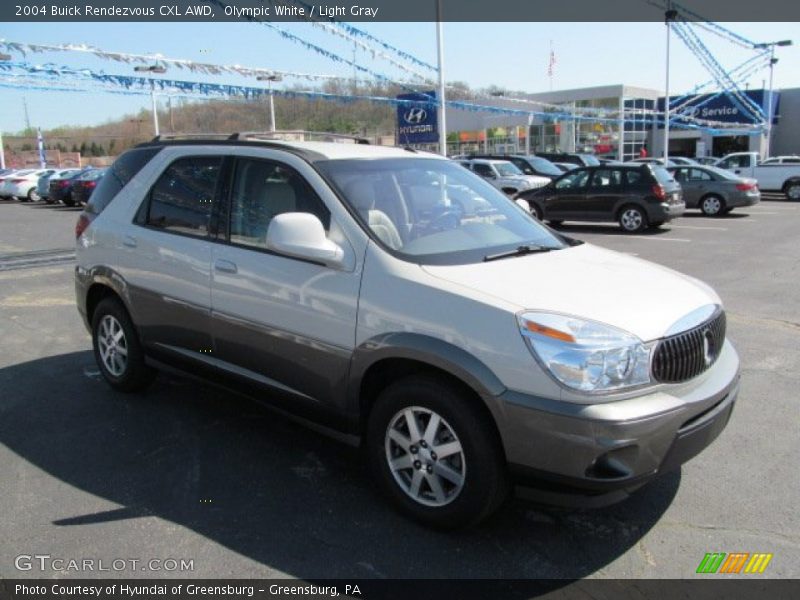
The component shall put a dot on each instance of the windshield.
(506, 168)
(544, 166)
(432, 211)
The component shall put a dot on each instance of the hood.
(586, 281)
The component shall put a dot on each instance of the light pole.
(440, 55)
(772, 62)
(669, 16)
(152, 69)
(269, 79)
(2, 151)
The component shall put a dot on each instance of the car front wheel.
(33, 195)
(632, 219)
(434, 455)
(117, 349)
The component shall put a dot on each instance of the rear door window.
(605, 178)
(117, 177)
(182, 199)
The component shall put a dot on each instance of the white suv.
(504, 175)
(400, 299)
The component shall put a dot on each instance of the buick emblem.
(709, 347)
(415, 116)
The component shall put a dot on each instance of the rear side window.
(635, 177)
(117, 177)
(661, 174)
(182, 198)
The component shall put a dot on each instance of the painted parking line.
(697, 227)
(657, 239)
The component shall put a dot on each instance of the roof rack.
(189, 136)
(285, 135)
(299, 135)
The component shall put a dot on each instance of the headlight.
(586, 355)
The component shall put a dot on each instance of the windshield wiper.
(518, 251)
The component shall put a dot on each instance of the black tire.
(480, 459)
(136, 375)
(33, 195)
(632, 219)
(792, 190)
(712, 205)
(536, 211)
(68, 200)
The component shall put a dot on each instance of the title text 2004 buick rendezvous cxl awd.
(398, 298)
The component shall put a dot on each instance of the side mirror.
(302, 235)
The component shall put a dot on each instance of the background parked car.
(43, 186)
(22, 184)
(707, 160)
(782, 160)
(61, 189)
(504, 175)
(636, 196)
(780, 177)
(652, 160)
(564, 167)
(715, 191)
(527, 163)
(576, 158)
(84, 184)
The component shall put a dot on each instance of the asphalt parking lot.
(190, 472)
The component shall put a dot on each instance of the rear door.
(169, 269)
(280, 321)
(698, 183)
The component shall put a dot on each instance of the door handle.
(129, 241)
(225, 266)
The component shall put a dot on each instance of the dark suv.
(636, 197)
(528, 164)
(574, 158)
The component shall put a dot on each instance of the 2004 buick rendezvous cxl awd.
(398, 299)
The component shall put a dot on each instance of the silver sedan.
(715, 191)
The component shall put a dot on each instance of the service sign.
(417, 123)
(721, 108)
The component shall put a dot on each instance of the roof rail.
(299, 135)
(188, 136)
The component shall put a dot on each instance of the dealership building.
(602, 130)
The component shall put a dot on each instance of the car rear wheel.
(712, 205)
(117, 349)
(792, 190)
(632, 219)
(433, 453)
(33, 195)
(537, 211)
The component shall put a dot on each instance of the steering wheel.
(450, 218)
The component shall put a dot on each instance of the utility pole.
(27, 118)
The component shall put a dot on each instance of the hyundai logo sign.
(417, 119)
(415, 116)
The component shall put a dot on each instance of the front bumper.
(598, 453)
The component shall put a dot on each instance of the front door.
(283, 322)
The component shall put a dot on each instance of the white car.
(465, 350)
(22, 184)
(504, 175)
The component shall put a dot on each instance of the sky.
(512, 56)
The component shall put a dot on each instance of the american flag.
(551, 66)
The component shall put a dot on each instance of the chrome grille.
(685, 355)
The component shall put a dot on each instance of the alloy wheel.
(113, 345)
(631, 219)
(425, 456)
